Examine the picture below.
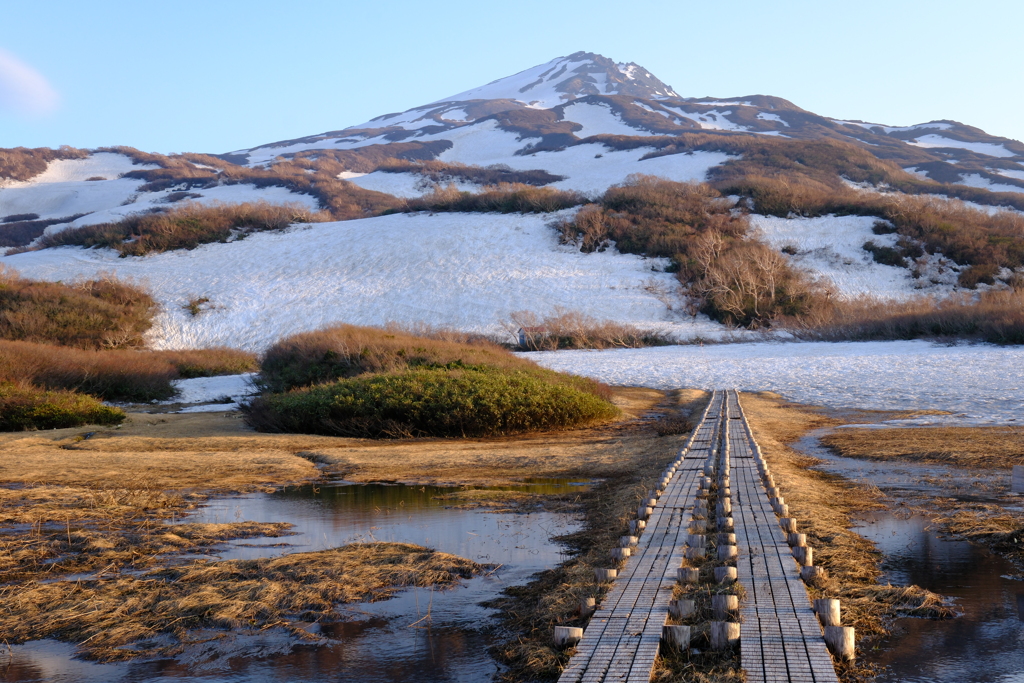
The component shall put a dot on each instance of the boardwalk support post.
(567, 636)
(725, 635)
(840, 640)
(587, 606)
(676, 636)
(605, 575)
(688, 575)
(725, 574)
(828, 611)
(723, 605)
(681, 609)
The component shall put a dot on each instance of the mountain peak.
(566, 78)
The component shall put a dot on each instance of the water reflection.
(984, 644)
(420, 635)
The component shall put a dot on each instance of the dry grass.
(824, 506)
(103, 616)
(500, 198)
(968, 448)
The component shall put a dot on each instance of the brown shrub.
(26, 407)
(502, 198)
(440, 172)
(732, 279)
(23, 163)
(574, 330)
(119, 375)
(185, 227)
(996, 317)
(103, 313)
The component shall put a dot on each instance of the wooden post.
(727, 552)
(725, 523)
(698, 526)
(696, 540)
(643, 512)
(828, 611)
(727, 539)
(725, 574)
(773, 492)
(636, 526)
(725, 492)
(841, 641)
(654, 493)
(619, 554)
(725, 635)
(796, 539)
(788, 524)
(567, 636)
(722, 605)
(628, 541)
(652, 502)
(688, 575)
(804, 555)
(676, 636)
(681, 609)
(587, 606)
(813, 574)
(605, 575)
(695, 553)
(782, 510)
(725, 508)
(1017, 479)
(709, 471)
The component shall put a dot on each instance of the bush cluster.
(359, 381)
(23, 163)
(440, 172)
(103, 313)
(573, 330)
(732, 278)
(115, 375)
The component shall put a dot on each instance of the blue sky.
(218, 76)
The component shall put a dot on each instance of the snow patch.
(988, 148)
(765, 116)
(711, 120)
(977, 180)
(831, 247)
(599, 119)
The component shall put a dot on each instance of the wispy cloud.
(23, 90)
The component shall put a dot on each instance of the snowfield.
(831, 247)
(980, 384)
(599, 119)
(467, 271)
(976, 180)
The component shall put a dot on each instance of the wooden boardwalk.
(780, 639)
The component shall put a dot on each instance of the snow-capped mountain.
(581, 122)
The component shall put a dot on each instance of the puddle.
(420, 635)
(985, 643)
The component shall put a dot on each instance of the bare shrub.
(102, 313)
(185, 227)
(995, 316)
(574, 330)
(120, 375)
(440, 172)
(501, 198)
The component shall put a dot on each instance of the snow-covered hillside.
(468, 271)
(92, 190)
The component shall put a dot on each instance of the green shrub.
(27, 407)
(447, 401)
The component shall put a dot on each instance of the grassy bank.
(28, 407)
(364, 382)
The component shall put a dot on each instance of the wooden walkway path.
(780, 639)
